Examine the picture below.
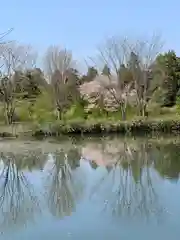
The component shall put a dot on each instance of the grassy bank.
(93, 126)
(143, 126)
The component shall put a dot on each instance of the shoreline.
(91, 127)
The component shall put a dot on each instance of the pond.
(92, 188)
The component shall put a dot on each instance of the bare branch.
(17, 57)
(13, 57)
(58, 59)
(4, 34)
(136, 57)
(59, 66)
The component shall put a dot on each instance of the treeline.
(121, 68)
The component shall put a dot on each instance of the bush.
(178, 105)
(80, 126)
(22, 111)
(2, 116)
(43, 109)
(76, 111)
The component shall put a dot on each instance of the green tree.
(125, 74)
(28, 84)
(170, 64)
(91, 74)
(106, 70)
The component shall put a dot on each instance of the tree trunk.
(123, 112)
(6, 113)
(59, 114)
(142, 109)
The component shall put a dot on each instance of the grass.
(42, 121)
(92, 126)
(108, 126)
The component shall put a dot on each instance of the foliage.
(106, 70)
(28, 84)
(91, 74)
(105, 126)
(52, 95)
(23, 111)
(75, 111)
(170, 64)
(42, 109)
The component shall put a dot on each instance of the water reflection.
(18, 201)
(167, 160)
(64, 187)
(125, 177)
(127, 186)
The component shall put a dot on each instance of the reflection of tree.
(93, 164)
(64, 188)
(73, 156)
(17, 200)
(30, 160)
(167, 161)
(131, 189)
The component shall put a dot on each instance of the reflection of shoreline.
(101, 152)
(51, 145)
(132, 157)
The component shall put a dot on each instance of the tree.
(170, 64)
(3, 44)
(114, 54)
(141, 64)
(13, 57)
(7, 92)
(60, 59)
(90, 75)
(126, 74)
(106, 70)
(59, 66)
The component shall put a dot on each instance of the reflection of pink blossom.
(98, 156)
(93, 155)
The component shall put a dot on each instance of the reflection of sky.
(89, 222)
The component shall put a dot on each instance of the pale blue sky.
(80, 24)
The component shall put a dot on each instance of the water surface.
(101, 188)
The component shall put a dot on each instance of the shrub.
(80, 126)
(75, 111)
(23, 111)
(43, 109)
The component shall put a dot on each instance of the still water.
(101, 188)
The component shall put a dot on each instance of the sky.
(81, 25)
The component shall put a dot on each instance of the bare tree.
(59, 66)
(142, 65)
(13, 57)
(60, 59)
(113, 54)
(118, 53)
